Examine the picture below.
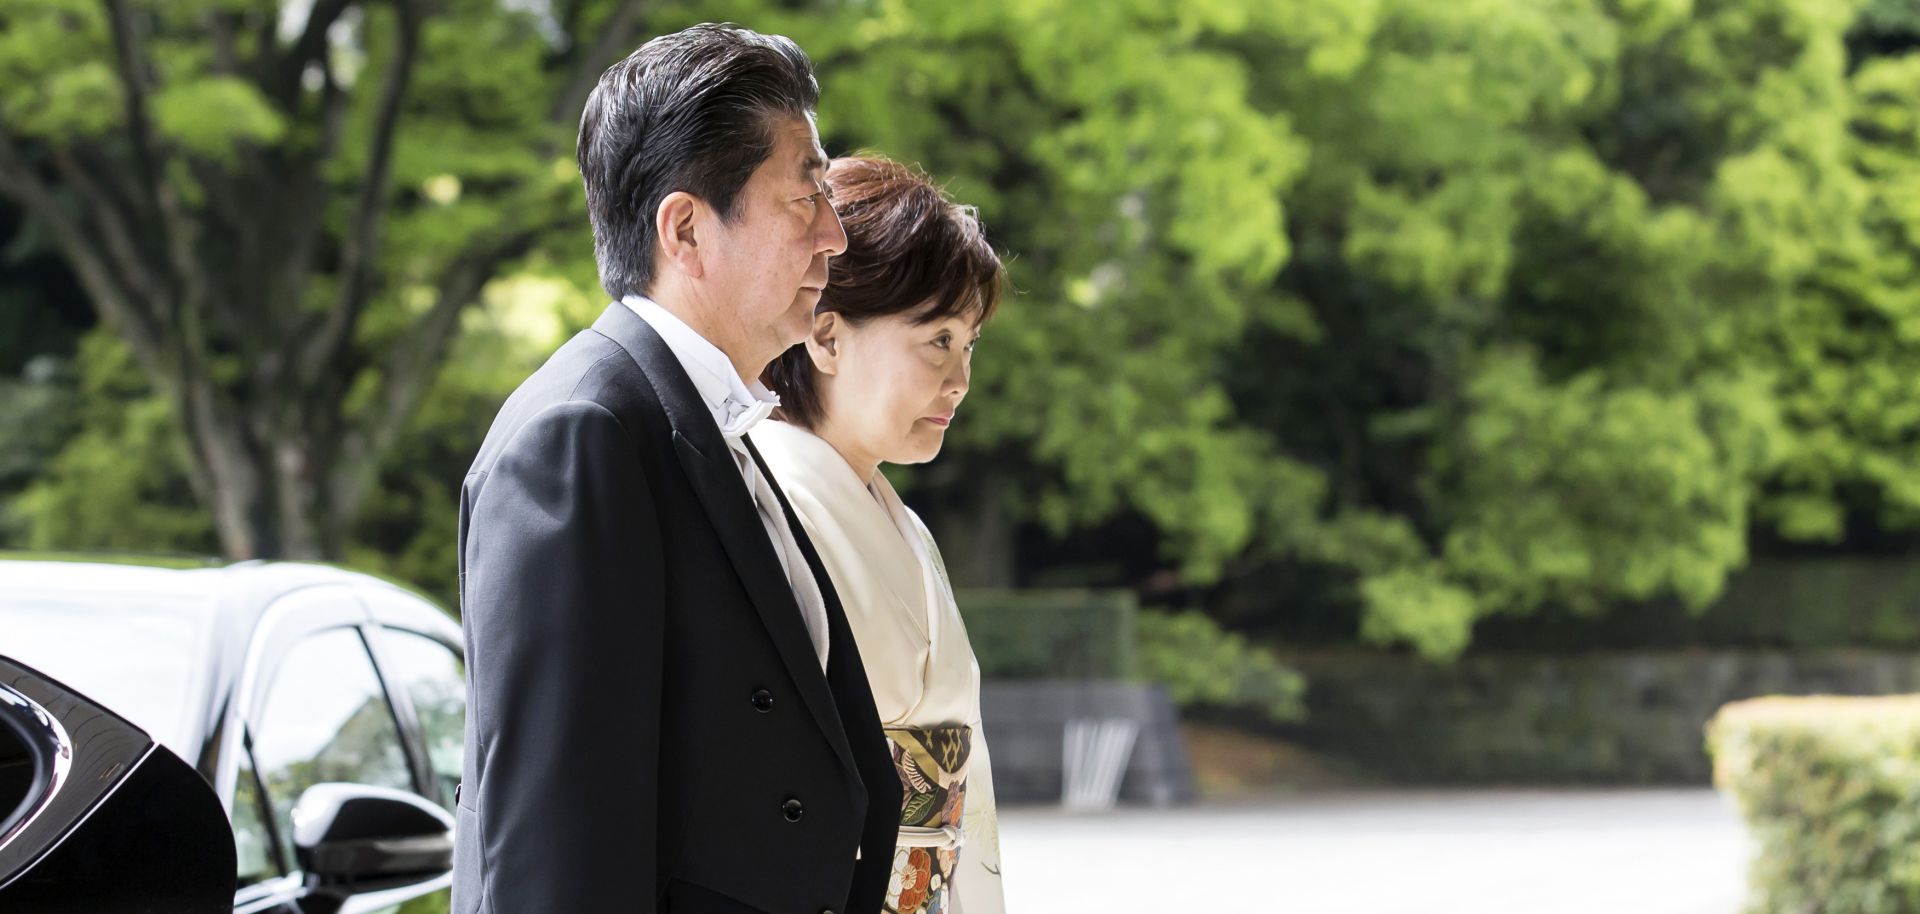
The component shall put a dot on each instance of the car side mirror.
(352, 838)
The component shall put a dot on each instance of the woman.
(877, 382)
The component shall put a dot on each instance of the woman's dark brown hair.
(910, 250)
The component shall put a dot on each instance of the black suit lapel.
(847, 677)
(710, 466)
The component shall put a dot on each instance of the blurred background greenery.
(1346, 332)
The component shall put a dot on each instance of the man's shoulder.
(588, 373)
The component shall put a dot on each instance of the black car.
(261, 737)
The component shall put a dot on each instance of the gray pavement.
(1432, 852)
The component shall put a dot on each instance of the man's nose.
(833, 235)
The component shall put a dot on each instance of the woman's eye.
(943, 341)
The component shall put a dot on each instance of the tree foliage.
(282, 212)
(1486, 306)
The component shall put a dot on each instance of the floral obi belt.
(932, 764)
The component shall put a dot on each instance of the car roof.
(233, 596)
(250, 584)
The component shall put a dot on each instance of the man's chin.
(795, 332)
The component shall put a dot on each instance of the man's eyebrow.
(811, 166)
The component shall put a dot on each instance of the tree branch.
(119, 306)
(133, 77)
(411, 366)
(187, 287)
(114, 227)
(309, 47)
(226, 55)
(571, 18)
(307, 210)
(616, 38)
(363, 239)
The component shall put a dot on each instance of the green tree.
(1541, 374)
(1486, 306)
(117, 478)
(1848, 345)
(282, 215)
(1137, 184)
(1457, 297)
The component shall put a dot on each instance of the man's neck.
(696, 317)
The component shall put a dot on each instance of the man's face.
(770, 263)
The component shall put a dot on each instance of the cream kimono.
(926, 685)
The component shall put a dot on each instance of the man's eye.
(813, 198)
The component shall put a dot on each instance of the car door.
(418, 649)
(419, 655)
(315, 710)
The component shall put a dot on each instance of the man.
(667, 711)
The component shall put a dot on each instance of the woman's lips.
(941, 421)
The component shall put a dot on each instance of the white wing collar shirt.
(736, 407)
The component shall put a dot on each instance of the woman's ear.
(674, 223)
(823, 343)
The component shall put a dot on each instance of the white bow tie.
(742, 417)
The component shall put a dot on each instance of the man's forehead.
(804, 143)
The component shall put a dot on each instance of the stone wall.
(1026, 722)
(1612, 718)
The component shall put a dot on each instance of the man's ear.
(674, 224)
(823, 342)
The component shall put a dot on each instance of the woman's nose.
(958, 379)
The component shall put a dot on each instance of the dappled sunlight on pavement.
(1680, 851)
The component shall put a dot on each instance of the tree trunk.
(975, 533)
(264, 495)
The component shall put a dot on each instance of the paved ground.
(1469, 852)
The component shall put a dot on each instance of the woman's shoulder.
(933, 546)
(772, 434)
(926, 532)
(816, 480)
(798, 457)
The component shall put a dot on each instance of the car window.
(250, 837)
(325, 718)
(434, 679)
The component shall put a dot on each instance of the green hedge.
(1103, 634)
(1052, 634)
(1830, 788)
(1203, 665)
(1820, 602)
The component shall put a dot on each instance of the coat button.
(763, 701)
(792, 809)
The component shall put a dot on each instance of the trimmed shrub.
(1830, 789)
(1091, 635)
(1203, 665)
(1051, 634)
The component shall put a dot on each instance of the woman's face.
(889, 386)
